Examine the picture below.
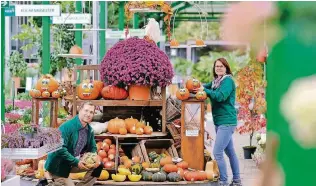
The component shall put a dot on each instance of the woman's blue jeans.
(224, 142)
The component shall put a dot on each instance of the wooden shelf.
(154, 134)
(103, 102)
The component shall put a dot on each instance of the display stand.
(192, 132)
(53, 110)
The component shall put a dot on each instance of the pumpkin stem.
(147, 123)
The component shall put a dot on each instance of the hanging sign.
(191, 132)
(5, 3)
(72, 19)
(110, 34)
(9, 11)
(37, 10)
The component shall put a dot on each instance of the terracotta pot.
(139, 92)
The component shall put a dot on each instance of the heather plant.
(136, 61)
(42, 136)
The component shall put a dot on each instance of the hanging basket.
(149, 5)
(198, 42)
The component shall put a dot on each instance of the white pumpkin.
(99, 127)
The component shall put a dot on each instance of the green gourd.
(137, 168)
(159, 177)
(174, 177)
(147, 176)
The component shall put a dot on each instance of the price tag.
(191, 132)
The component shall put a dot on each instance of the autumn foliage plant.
(251, 97)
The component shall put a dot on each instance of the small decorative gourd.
(147, 176)
(201, 95)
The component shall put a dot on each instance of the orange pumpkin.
(183, 165)
(114, 92)
(191, 176)
(201, 175)
(145, 165)
(148, 129)
(75, 50)
(35, 93)
(47, 83)
(199, 42)
(45, 94)
(87, 91)
(122, 131)
(130, 122)
(115, 125)
(174, 43)
(55, 94)
(201, 95)
(192, 83)
(132, 130)
(139, 131)
(170, 168)
(140, 124)
(166, 160)
(183, 94)
(136, 159)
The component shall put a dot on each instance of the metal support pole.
(121, 16)
(46, 43)
(102, 25)
(78, 35)
(136, 21)
(2, 64)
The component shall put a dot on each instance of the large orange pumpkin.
(35, 93)
(75, 50)
(183, 94)
(192, 83)
(114, 92)
(201, 95)
(130, 122)
(87, 91)
(47, 83)
(115, 125)
(170, 168)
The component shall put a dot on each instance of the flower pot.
(248, 151)
(139, 92)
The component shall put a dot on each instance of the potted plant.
(136, 63)
(251, 98)
(17, 67)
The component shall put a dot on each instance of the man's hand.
(97, 162)
(82, 166)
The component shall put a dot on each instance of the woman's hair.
(225, 63)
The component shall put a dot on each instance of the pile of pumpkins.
(46, 86)
(95, 89)
(129, 125)
(106, 151)
(161, 168)
(190, 85)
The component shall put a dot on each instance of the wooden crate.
(157, 145)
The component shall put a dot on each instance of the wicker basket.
(173, 109)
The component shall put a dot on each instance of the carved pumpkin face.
(87, 91)
(47, 83)
(35, 93)
(45, 94)
(193, 83)
(55, 94)
(201, 95)
(182, 94)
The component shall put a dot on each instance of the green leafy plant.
(26, 129)
(24, 96)
(9, 108)
(17, 64)
(202, 70)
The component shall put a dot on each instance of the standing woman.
(222, 93)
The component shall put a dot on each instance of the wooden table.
(53, 110)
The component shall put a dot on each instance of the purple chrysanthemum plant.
(136, 61)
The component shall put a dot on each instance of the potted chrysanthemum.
(138, 64)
